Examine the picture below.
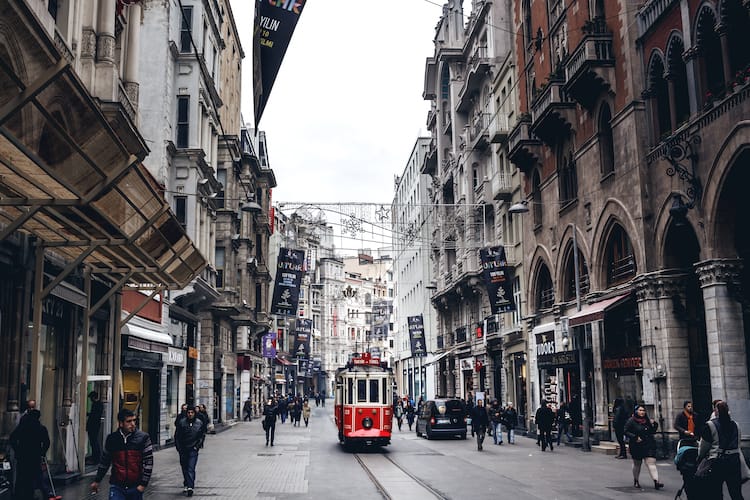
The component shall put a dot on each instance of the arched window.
(659, 95)
(545, 291)
(569, 278)
(620, 260)
(536, 196)
(677, 76)
(709, 56)
(606, 141)
(736, 19)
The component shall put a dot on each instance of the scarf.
(640, 420)
(690, 423)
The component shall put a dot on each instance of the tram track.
(392, 480)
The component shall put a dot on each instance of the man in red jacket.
(131, 455)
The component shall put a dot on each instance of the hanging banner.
(380, 319)
(289, 271)
(302, 334)
(274, 25)
(269, 345)
(416, 336)
(497, 279)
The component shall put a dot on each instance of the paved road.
(307, 463)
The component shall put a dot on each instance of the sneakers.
(190, 492)
(185, 490)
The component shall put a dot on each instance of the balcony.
(502, 186)
(430, 160)
(524, 149)
(553, 114)
(477, 70)
(482, 192)
(499, 128)
(479, 132)
(591, 68)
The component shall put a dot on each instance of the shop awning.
(595, 311)
(438, 357)
(543, 328)
(283, 361)
(67, 177)
(147, 334)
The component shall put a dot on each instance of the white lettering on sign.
(545, 348)
(175, 356)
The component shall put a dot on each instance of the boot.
(636, 484)
(658, 485)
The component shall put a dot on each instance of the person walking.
(563, 423)
(296, 412)
(619, 419)
(247, 411)
(30, 442)
(93, 426)
(496, 419)
(545, 418)
(399, 413)
(283, 409)
(188, 438)
(270, 411)
(131, 455)
(306, 411)
(510, 418)
(640, 431)
(720, 441)
(687, 422)
(409, 410)
(479, 422)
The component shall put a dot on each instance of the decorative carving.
(131, 92)
(88, 43)
(660, 285)
(719, 272)
(680, 151)
(105, 48)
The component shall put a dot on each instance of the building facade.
(630, 144)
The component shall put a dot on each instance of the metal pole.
(581, 340)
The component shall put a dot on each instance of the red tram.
(363, 406)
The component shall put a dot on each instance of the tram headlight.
(367, 423)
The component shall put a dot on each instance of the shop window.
(621, 264)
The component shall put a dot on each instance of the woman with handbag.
(720, 457)
(640, 431)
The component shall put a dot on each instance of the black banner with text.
(416, 336)
(496, 278)
(289, 271)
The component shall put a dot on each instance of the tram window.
(374, 392)
(361, 391)
(385, 390)
(349, 391)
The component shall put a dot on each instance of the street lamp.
(522, 208)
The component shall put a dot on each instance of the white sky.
(347, 104)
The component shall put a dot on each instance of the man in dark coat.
(270, 410)
(93, 426)
(30, 442)
(687, 422)
(479, 422)
(188, 438)
(510, 418)
(545, 417)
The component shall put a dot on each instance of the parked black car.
(442, 417)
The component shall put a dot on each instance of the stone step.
(606, 448)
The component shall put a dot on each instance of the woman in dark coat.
(30, 441)
(270, 411)
(640, 431)
(409, 414)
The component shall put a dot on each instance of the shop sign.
(467, 363)
(175, 356)
(145, 345)
(192, 353)
(545, 343)
(630, 363)
(557, 359)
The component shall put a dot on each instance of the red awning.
(595, 311)
(283, 361)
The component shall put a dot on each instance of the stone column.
(131, 57)
(724, 328)
(690, 56)
(106, 78)
(664, 341)
(721, 29)
(672, 101)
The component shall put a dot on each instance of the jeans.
(497, 432)
(117, 492)
(511, 434)
(563, 428)
(188, 460)
(480, 436)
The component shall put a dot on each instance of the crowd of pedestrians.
(282, 408)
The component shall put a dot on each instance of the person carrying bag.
(720, 458)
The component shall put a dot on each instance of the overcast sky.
(347, 104)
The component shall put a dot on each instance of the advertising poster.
(302, 334)
(381, 314)
(269, 345)
(416, 336)
(289, 271)
(497, 279)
